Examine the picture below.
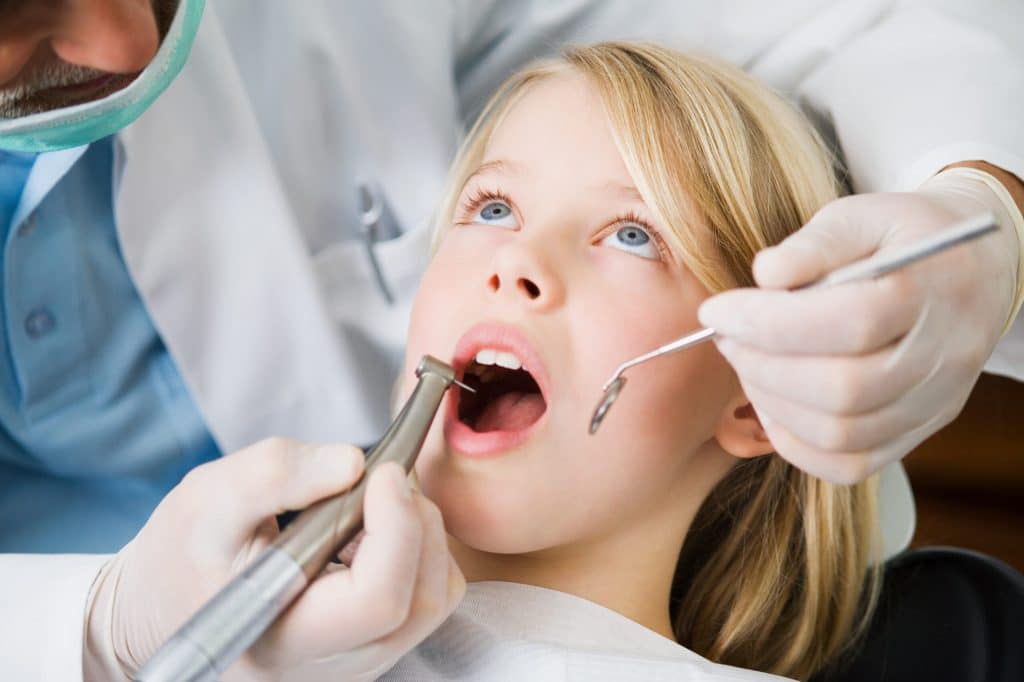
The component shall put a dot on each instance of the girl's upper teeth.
(488, 356)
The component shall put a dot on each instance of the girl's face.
(555, 263)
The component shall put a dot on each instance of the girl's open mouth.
(510, 401)
(506, 399)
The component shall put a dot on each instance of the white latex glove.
(850, 378)
(351, 623)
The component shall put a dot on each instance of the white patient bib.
(509, 631)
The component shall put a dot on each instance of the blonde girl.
(597, 201)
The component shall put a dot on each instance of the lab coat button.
(39, 322)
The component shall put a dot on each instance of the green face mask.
(85, 123)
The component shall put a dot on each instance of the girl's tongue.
(505, 399)
(512, 411)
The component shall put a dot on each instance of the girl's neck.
(629, 571)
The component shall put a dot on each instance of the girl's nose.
(524, 276)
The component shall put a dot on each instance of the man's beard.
(30, 95)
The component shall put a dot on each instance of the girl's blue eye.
(633, 239)
(496, 213)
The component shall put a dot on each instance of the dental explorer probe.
(227, 625)
(869, 268)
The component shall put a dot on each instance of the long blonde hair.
(776, 573)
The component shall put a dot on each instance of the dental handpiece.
(869, 268)
(227, 625)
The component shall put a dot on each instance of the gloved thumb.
(835, 236)
(269, 478)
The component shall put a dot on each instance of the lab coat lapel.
(222, 266)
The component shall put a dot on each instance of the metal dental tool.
(227, 625)
(869, 268)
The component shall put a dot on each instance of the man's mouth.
(512, 390)
(87, 87)
(25, 101)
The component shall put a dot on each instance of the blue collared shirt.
(96, 424)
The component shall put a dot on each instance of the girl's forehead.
(558, 126)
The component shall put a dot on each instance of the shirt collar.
(47, 171)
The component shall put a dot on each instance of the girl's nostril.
(531, 289)
(494, 283)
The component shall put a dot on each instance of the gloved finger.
(859, 317)
(829, 432)
(444, 597)
(429, 597)
(431, 594)
(845, 468)
(840, 384)
(835, 236)
(439, 588)
(376, 657)
(348, 608)
(370, 661)
(240, 491)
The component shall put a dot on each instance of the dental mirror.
(869, 268)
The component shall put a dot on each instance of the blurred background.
(968, 478)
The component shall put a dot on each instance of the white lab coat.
(237, 206)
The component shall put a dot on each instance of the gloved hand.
(351, 623)
(847, 379)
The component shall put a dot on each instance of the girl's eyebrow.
(512, 167)
(625, 191)
(496, 166)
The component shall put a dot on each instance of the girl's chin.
(489, 530)
(493, 545)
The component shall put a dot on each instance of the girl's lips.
(504, 338)
(490, 444)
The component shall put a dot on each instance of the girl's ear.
(739, 431)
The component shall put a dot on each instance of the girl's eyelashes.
(633, 235)
(629, 232)
(487, 208)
